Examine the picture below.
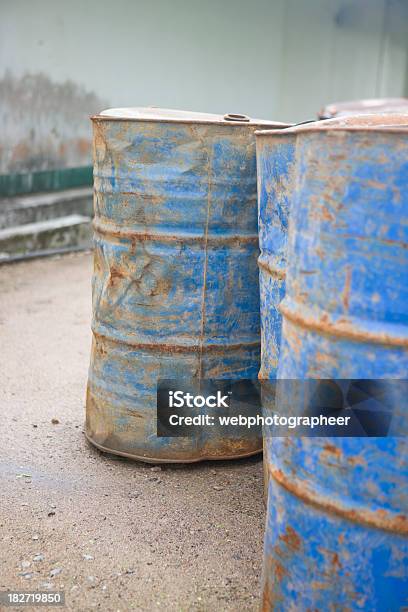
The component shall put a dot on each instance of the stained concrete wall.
(282, 59)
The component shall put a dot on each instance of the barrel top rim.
(365, 105)
(380, 122)
(169, 115)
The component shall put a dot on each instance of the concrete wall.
(61, 61)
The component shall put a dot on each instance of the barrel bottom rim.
(110, 451)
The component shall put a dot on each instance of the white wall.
(278, 59)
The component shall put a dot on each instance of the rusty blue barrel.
(277, 175)
(337, 530)
(276, 167)
(175, 286)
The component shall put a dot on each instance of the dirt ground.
(113, 534)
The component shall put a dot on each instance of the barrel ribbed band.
(326, 502)
(271, 269)
(116, 231)
(323, 322)
(164, 347)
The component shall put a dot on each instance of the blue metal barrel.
(277, 175)
(175, 287)
(337, 530)
(276, 172)
(276, 166)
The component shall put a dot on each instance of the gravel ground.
(113, 534)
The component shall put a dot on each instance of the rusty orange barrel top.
(175, 286)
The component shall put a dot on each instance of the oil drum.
(175, 285)
(337, 529)
(277, 169)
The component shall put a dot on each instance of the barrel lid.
(151, 113)
(368, 106)
(374, 122)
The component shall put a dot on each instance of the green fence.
(47, 180)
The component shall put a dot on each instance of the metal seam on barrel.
(207, 222)
(178, 348)
(342, 329)
(272, 271)
(392, 522)
(102, 228)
